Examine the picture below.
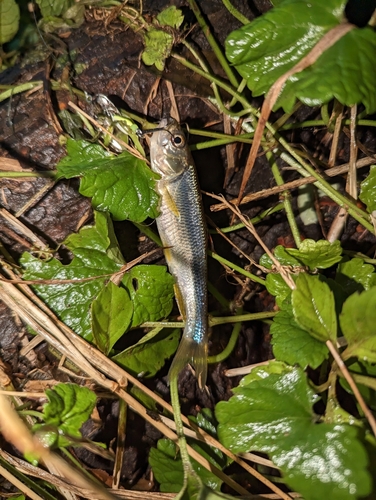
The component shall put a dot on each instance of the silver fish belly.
(182, 230)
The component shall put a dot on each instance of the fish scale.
(182, 229)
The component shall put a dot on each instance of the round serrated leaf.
(294, 345)
(368, 190)
(151, 291)
(314, 308)
(148, 357)
(111, 313)
(274, 415)
(358, 320)
(9, 20)
(94, 249)
(122, 186)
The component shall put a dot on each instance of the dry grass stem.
(367, 412)
(340, 170)
(248, 224)
(24, 230)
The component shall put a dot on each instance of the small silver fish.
(182, 229)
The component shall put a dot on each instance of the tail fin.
(193, 353)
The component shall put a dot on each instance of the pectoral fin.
(170, 203)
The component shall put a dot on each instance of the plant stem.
(238, 15)
(255, 220)
(18, 89)
(48, 174)
(230, 346)
(286, 199)
(239, 269)
(213, 43)
(246, 138)
(187, 466)
(218, 296)
(213, 320)
(30, 484)
(341, 200)
(367, 412)
(222, 320)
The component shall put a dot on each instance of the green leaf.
(272, 44)
(357, 320)
(293, 344)
(279, 39)
(355, 275)
(261, 372)
(274, 415)
(111, 313)
(343, 72)
(317, 254)
(68, 408)
(159, 42)
(9, 20)
(167, 466)
(93, 249)
(368, 190)
(122, 185)
(147, 357)
(54, 8)
(283, 257)
(81, 156)
(313, 307)
(171, 17)
(151, 291)
(313, 254)
(278, 287)
(158, 45)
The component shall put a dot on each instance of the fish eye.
(178, 140)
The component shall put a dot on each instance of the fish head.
(169, 152)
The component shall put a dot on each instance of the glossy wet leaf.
(368, 190)
(68, 407)
(314, 308)
(355, 275)
(167, 466)
(273, 43)
(317, 254)
(111, 313)
(151, 291)
(344, 72)
(269, 46)
(147, 358)
(93, 249)
(358, 320)
(122, 185)
(274, 415)
(294, 345)
(9, 20)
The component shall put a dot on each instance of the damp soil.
(105, 58)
